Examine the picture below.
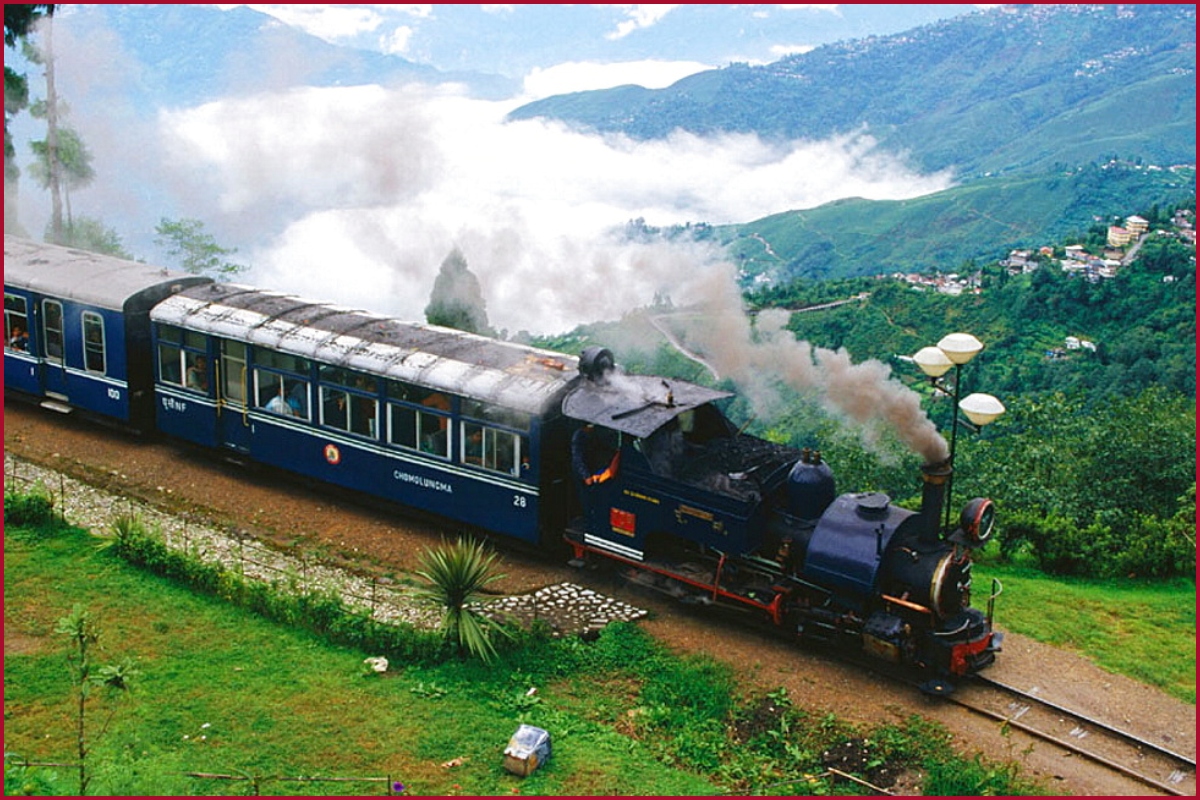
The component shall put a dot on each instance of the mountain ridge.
(1040, 73)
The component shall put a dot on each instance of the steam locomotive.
(524, 443)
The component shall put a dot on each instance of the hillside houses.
(951, 283)
(1121, 244)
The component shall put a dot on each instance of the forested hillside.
(1018, 88)
(980, 221)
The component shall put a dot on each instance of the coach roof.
(91, 278)
(509, 374)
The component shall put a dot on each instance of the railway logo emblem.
(332, 454)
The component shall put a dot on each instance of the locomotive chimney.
(933, 498)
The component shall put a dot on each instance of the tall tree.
(70, 168)
(88, 233)
(196, 249)
(19, 20)
(457, 299)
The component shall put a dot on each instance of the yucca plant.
(457, 574)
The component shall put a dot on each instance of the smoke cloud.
(756, 356)
(356, 195)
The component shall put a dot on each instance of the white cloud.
(336, 22)
(531, 204)
(782, 50)
(833, 8)
(396, 43)
(640, 16)
(579, 76)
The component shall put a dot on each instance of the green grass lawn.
(1143, 629)
(223, 691)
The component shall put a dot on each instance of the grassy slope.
(268, 700)
(1143, 629)
(224, 691)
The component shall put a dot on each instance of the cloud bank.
(357, 194)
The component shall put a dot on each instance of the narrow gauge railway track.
(1135, 757)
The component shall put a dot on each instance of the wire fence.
(256, 782)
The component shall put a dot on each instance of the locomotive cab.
(659, 467)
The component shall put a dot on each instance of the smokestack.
(933, 498)
(596, 362)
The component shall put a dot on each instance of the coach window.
(418, 419)
(52, 329)
(183, 358)
(486, 444)
(348, 401)
(233, 372)
(93, 342)
(281, 383)
(16, 323)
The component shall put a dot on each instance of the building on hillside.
(1075, 343)
(1118, 236)
(1019, 262)
(1136, 225)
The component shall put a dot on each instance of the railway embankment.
(566, 607)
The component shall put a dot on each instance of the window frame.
(11, 316)
(427, 406)
(289, 377)
(182, 346)
(88, 321)
(356, 389)
(493, 424)
(59, 338)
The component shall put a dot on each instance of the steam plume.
(865, 393)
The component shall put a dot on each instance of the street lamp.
(956, 350)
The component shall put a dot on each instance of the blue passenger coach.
(77, 328)
(460, 425)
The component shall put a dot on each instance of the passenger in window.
(298, 399)
(19, 339)
(197, 373)
(335, 410)
(278, 405)
(441, 403)
(474, 447)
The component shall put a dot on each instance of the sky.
(421, 169)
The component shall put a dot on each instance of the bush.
(32, 507)
(1112, 544)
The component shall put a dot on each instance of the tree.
(19, 20)
(111, 680)
(88, 233)
(456, 575)
(70, 169)
(457, 299)
(196, 249)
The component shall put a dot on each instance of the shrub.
(456, 575)
(32, 507)
(1112, 544)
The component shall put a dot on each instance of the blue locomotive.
(529, 444)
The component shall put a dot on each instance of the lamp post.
(956, 350)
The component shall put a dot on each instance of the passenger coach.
(77, 329)
(453, 423)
